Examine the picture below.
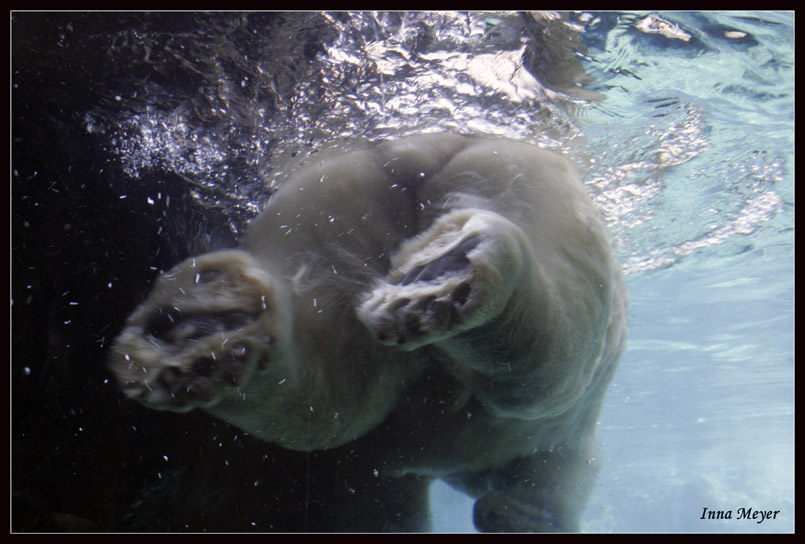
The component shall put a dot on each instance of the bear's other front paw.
(429, 302)
(455, 276)
(455, 260)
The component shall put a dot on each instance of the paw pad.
(205, 377)
(426, 303)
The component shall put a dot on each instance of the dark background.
(84, 457)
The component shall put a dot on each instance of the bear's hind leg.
(542, 492)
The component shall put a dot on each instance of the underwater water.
(708, 376)
(701, 412)
(681, 125)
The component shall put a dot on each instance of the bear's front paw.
(207, 327)
(206, 353)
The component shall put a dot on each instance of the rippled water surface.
(680, 124)
(660, 120)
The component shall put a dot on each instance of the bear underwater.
(449, 304)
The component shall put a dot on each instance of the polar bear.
(452, 297)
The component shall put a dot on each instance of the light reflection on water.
(657, 107)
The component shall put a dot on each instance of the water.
(681, 125)
(700, 414)
(701, 411)
(708, 381)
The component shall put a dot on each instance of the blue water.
(701, 412)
